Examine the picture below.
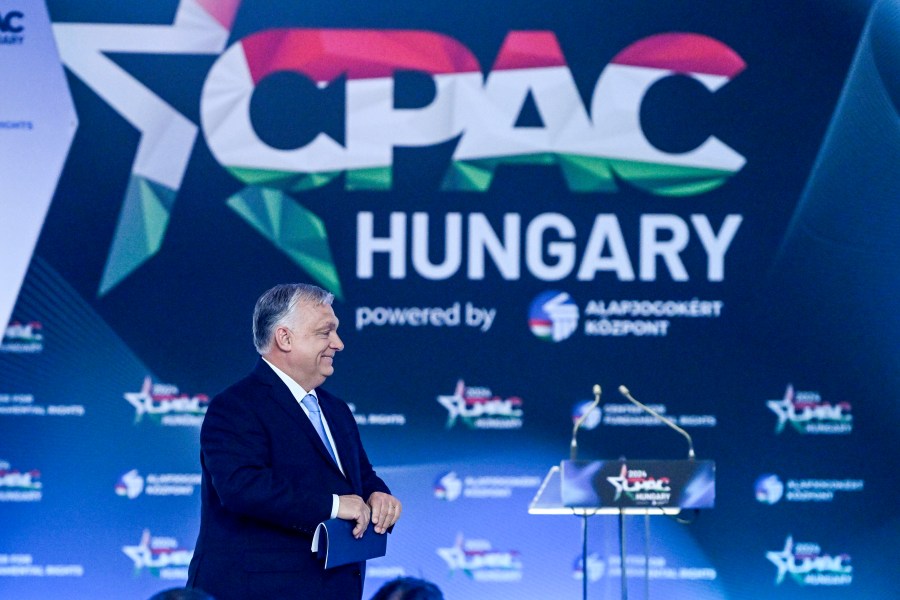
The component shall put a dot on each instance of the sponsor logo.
(593, 419)
(594, 147)
(18, 486)
(595, 567)
(553, 316)
(166, 405)
(449, 486)
(160, 556)
(457, 314)
(638, 485)
(478, 408)
(480, 562)
(24, 405)
(637, 566)
(770, 489)
(11, 28)
(132, 484)
(806, 564)
(806, 412)
(620, 318)
(24, 565)
(23, 338)
(377, 419)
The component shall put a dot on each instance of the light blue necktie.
(312, 405)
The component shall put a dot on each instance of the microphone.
(624, 391)
(573, 447)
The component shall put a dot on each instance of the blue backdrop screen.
(512, 202)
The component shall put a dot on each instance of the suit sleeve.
(369, 480)
(236, 452)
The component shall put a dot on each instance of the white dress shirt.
(299, 394)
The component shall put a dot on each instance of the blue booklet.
(337, 546)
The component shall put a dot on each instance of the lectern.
(620, 487)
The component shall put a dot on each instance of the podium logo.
(806, 412)
(638, 485)
(807, 565)
(553, 316)
(160, 556)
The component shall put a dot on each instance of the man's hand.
(385, 510)
(352, 508)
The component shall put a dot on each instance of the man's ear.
(283, 338)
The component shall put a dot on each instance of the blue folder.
(337, 546)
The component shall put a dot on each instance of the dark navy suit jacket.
(267, 482)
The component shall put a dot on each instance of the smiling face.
(306, 343)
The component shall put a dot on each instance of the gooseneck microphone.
(624, 391)
(573, 447)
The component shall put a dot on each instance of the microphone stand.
(573, 453)
(624, 391)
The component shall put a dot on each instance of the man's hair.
(276, 305)
(408, 588)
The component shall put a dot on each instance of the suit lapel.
(281, 396)
(343, 440)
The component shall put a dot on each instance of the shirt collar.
(296, 389)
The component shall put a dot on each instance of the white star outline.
(783, 560)
(166, 136)
(142, 555)
(783, 408)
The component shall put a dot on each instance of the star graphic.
(141, 400)
(167, 141)
(455, 403)
(783, 408)
(167, 136)
(783, 560)
(140, 554)
(620, 481)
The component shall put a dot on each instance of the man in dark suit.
(272, 470)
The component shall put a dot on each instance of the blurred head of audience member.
(408, 588)
(181, 594)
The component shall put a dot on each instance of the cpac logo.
(160, 399)
(161, 556)
(8, 22)
(590, 149)
(637, 485)
(479, 561)
(594, 147)
(807, 565)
